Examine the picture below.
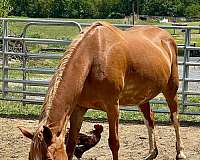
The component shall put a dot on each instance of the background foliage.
(5, 8)
(98, 8)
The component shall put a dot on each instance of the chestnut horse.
(103, 68)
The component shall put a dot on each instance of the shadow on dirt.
(160, 123)
(20, 116)
(100, 120)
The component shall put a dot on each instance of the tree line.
(99, 8)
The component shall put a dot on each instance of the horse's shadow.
(102, 120)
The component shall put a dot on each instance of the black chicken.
(85, 142)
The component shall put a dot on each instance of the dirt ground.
(133, 140)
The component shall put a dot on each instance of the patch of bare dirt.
(133, 141)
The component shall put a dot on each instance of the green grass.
(60, 32)
(64, 32)
(14, 109)
(17, 109)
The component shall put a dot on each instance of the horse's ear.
(26, 132)
(47, 134)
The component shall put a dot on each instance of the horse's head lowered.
(44, 145)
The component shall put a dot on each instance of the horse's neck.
(65, 90)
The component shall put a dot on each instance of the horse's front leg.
(113, 119)
(148, 115)
(76, 120)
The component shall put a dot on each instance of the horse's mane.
(40, 146)
(57, 78)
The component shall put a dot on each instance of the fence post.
(5, 59)
(24, 63)
(185, 69)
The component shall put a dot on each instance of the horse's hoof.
(152, 155)
(181, 155)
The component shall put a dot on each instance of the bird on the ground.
(86, 142)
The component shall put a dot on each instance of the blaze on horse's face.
(44, 146)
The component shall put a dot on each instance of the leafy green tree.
(163, 7)
(44, 8)
(193, 10)
(5, 8)
(87, 9)
(19, 7)
(99, 8)
(79, 9)
(105, 7)
(58, 8)
(73, 8)
(33, 9)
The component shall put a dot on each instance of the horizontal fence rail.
(18, 89)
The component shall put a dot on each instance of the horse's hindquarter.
(149, 67)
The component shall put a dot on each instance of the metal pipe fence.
(24, 89)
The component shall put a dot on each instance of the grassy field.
(30, 111)
(64, 32)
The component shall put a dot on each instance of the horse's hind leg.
(172, 101)
(148, 115)
(76, 120)
(113, 119)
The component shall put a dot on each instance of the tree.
(33, 9)
(5, 8)
(57, 8)
(106, 7)
(193, 10)
(99, 8)
(19, 7)
(87, 9)
(44, 8)
(163, 7)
